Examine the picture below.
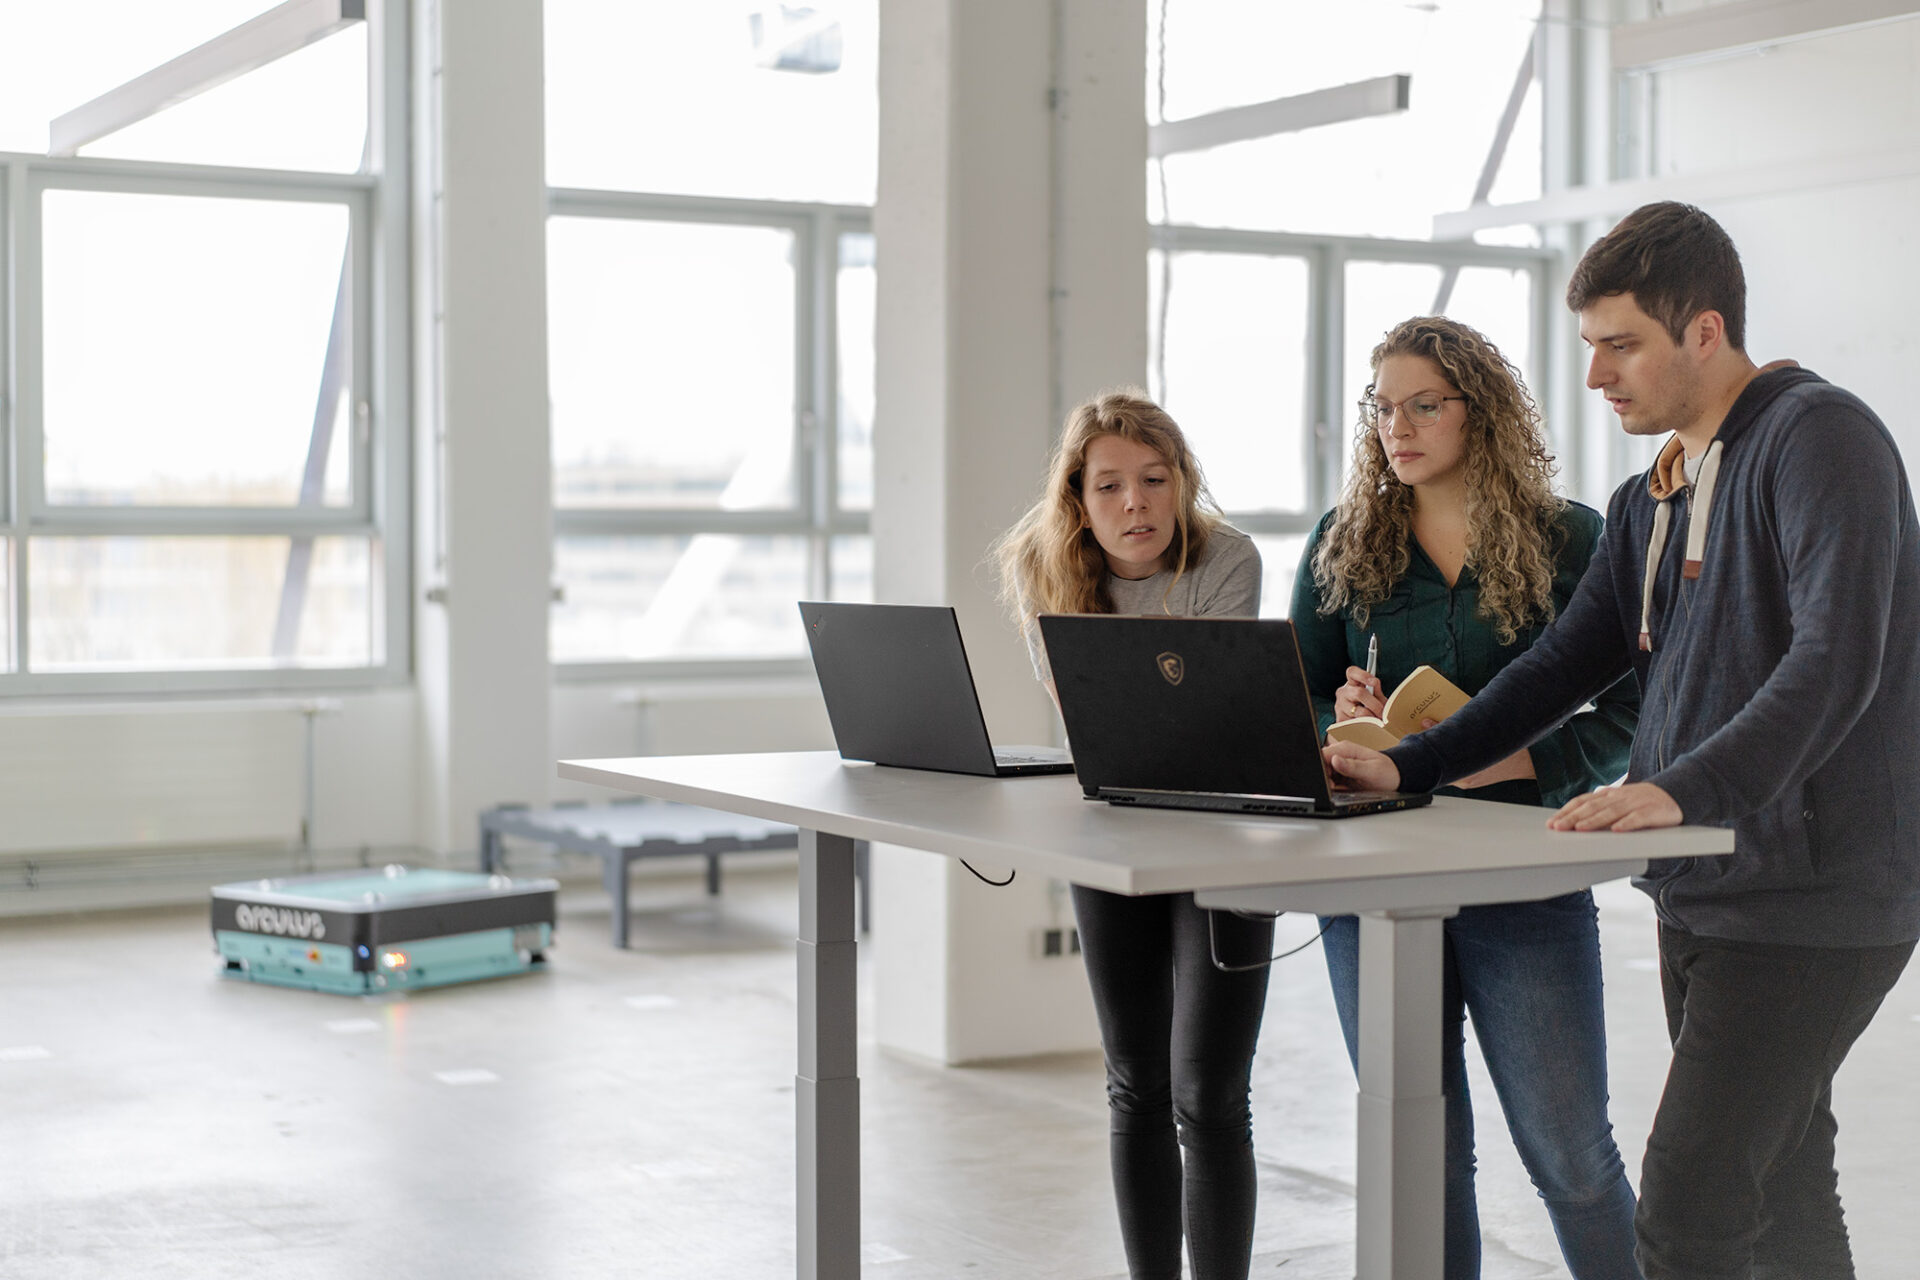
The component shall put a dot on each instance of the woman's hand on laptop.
(1357, 768)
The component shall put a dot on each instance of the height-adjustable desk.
(1405, 873)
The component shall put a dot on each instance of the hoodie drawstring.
(1696, 537)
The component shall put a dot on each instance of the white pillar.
(1577, 79)
(483, 533)
(1011, 233)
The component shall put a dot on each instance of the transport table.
(1404, 873)
(622, 833)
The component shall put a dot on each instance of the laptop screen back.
(897, 685)
(1186, 704)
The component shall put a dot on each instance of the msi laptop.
(899, 691)
(1195, 713)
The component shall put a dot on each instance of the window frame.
(48, 517)
(377, 392)
(815, 514)
(1326, 258)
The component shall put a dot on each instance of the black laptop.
(899, 691)
(1196, 713)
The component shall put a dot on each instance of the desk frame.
(1400, 1174)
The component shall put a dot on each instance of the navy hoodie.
(1780, 687)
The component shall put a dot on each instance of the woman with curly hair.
(1125, 525)
(1450, 548)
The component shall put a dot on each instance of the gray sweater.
(1223, 583)
(1780, 687)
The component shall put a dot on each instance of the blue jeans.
(1529, 974)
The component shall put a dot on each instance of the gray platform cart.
(622, 833)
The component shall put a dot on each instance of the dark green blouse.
(1426, 621)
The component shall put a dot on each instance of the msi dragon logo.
(1172, 667)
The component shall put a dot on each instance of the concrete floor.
(631, 1114)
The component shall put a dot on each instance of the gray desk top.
(1043, 825)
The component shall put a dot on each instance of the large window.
(756, 101)
(204, 413)
(1381, 173)
(710, 318)
(1260, 345)
(1300, 155)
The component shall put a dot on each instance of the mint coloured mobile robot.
(382, 929)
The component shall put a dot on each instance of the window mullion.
(29, 450)
(359, 389)
(13, 255)
(825, 232)
(170, 522)
(27, 496)
(808, 421)
(13, 186)
(1327, 289)
(386, 338)
(657, 521)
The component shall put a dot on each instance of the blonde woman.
(1451, 549)
(1125, 525)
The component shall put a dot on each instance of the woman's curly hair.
(1512, 512)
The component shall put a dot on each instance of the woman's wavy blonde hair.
(1049, 561)
(1512, 513)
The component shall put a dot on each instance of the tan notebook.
(1424, 695)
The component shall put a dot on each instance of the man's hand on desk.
(1358, 768)
(1635, 806)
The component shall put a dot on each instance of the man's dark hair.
(1675, 261)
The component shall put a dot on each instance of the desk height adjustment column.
(1403, 1109)
(827, 1085)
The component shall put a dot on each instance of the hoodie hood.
(1667, 478)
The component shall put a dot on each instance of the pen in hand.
(1373, 660)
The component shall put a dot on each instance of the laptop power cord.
(1213, 945)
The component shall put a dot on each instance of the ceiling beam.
(1382, 96)
(1579, 204)
(284, 29)
(1723, 30)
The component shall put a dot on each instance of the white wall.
(1830, 270)
(627, 718)
(366, 773)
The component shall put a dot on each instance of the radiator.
(79, 782)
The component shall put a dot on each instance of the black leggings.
(1179, 1037)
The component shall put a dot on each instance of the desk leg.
(490, 859)
(827, 1088)
(1402, 1108)
(616, 873)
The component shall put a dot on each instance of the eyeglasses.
(1423, 409)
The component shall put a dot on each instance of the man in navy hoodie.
(1762, 581)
